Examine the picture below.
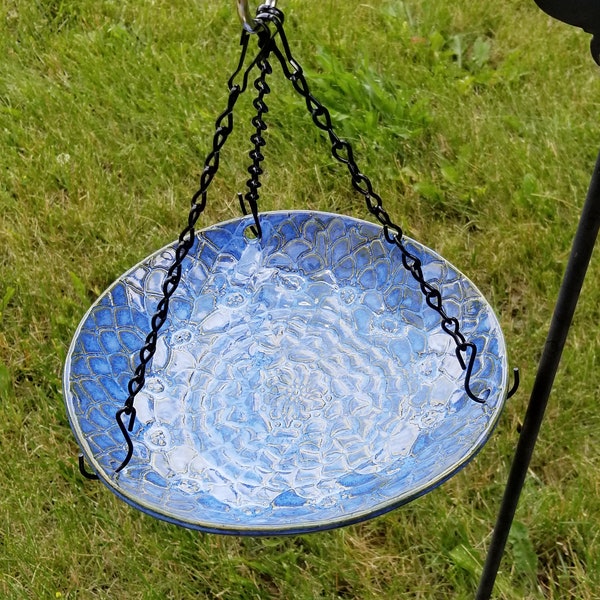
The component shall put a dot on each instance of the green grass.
(477, 122)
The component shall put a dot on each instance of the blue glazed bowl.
(300, 383)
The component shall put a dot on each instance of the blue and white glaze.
(300, 383)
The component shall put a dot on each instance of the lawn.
(477, 123)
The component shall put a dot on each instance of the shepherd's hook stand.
(584, 14)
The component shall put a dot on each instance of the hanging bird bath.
(284, 372)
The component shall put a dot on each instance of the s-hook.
(248, 23)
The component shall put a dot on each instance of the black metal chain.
(223, 128)
(341, 151)
(257, 138)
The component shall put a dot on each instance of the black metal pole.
(581, 252)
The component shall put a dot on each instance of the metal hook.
(463, 348)
(515, 385)
(256, 229)
(128, 410)
(248, 23)
(84, 471)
